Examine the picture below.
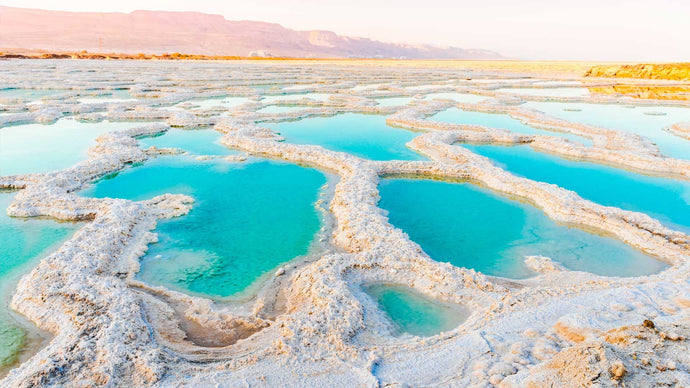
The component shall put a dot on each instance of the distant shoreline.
(603, 69)
(144, 57)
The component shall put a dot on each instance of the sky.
(630, 30)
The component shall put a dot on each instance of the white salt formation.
(312, 323)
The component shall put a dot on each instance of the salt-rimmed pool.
(413, 313)
(393, 101)
(284, 97)
(626, 118)
(281, 109)
(24, 242)
(222, 102)
(469, 226)
(248, 219)
(194, 141)
(501, 121)
(39, 148)
(459, 97)
(667, 200)
(30, 95)
(366, 136)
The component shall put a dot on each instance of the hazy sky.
(532, 29)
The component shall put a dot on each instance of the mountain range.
(158, 32)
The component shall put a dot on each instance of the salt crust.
(312, 324)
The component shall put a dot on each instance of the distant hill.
(159, 32)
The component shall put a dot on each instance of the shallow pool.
(366, 136)
(284, 97)
(194, 141)
(413, 313)
(222, 102)
(281, 109)
(459, 97)
(393, 101)
(24, 242)
(501, 121)
(667, 200)
(628, 119)
(40, 148)
(248, 219)
(469, 226)
(359, 88)
(28, 94)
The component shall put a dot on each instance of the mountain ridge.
(159, 32)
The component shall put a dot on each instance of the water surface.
(628, 119)
(281, 109)
(393, 101)
(667, 200)
(283, 97)
(28, 94)
(216, 102)
(40, 148)
(194, 141)
(25, 241)
(248, 219)
(365, 87)
(459, 97)
(501, 121)
(414, 313)
(473, 227)
(366, 136)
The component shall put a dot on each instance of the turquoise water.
(472, 227)
(628, 119)
(224, 102)
(547, 92)
(414, 313)
(313, 96)
(366, 136)
(248, 219)
(281, 109)
(194, 141)
(120, 93)
(667, 200)
(28, 94)
(24, 242)
(39, 148)
(317, 96)
(459, 97)
(264, 86)
(393, 101)
(501, 121)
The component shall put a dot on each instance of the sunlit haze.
(632, 30)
